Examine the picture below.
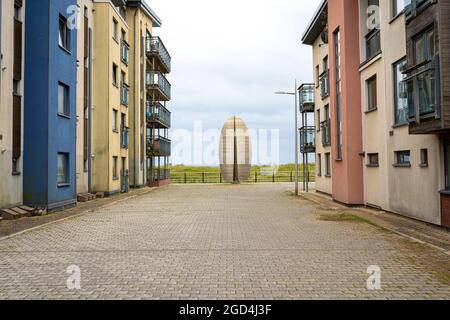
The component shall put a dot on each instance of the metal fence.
(255, 177)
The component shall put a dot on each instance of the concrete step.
(9, 214)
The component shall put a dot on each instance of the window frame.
(64, 38)
(370, 162)
(398, 156)
(372, 97)
(399, 64)
(66, 112)
(115, 163)
(66, 181)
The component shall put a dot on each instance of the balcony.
(158, 147)
(373, 44)
(157, 82)
(124, 52)
(158, 115)
(155, 49)
(306, 92)
(307, 139)
(324, 81)
(124, 94)
(326, 133)
(124, 137)
(423, 89)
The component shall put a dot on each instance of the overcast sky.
(229, 57)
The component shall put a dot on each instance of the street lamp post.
(296, 132)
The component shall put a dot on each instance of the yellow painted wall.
(323, 183)
(107, 98)
(139, 23)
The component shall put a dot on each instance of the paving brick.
(220, 241)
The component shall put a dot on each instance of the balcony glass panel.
(326, 133)
(307, 139)
(306, 93)
(159, 147)
(324, 81)
(156, 112)
(158, 81)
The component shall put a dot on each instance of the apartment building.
(401, 103)
(12, 15)
(149, 115)
(344, 97)
(49, 178)
(85, 42)
(317, 37)
(110, 161)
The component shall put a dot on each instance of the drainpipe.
(90, 187)
(143, 113)
(135, 99)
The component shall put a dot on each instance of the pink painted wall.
(347, 176)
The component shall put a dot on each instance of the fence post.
(273, 177)
(220, 177)
(203, 177)
(256, 177)
(185, 178)
(291, 177)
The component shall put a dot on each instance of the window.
(115, 29)
(114, 74)
(447, 163)
(328, 164)
(372, 94)
(318, 120)
(114, 120)
(424, 47)
(317, 75)
(63, 169)
(400, 94)
(16, 87)
(114, 168)
(373, 160)
(397, 7)
(63, 33)
(337, 52)
(319, 164)
(325, 63)
(424, 157)
(403, 158)
(63, 99)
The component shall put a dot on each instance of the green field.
(199, 174)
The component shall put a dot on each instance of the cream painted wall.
(323, 183)
(139, 24)
(10, 186)
(82, 175)
(410, 191)
(107, 98)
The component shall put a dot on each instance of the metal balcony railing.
(160, 174)
(324, 81)
(326, 133)
(159, 147)
(157, 81)
(306, 93)
(124, 52)
(307, 139)
(158, 114)
(124, 94)
(155, 48)
(124, 137)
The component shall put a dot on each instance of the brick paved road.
(217, 242)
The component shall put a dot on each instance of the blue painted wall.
(45, 132)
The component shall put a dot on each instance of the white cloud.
(229, 57)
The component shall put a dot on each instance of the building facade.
(401, 104)
(49, 173)
(12, 14)
(149, 61)
(111, 99)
